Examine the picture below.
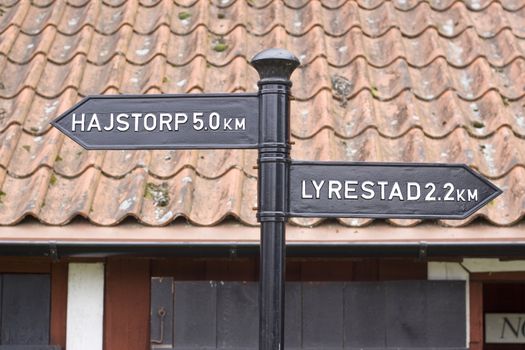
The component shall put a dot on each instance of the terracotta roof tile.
(27, 46)
(2, 178)
(126, 197)
(374, 21)
(98, 79)
(113, 3)
(39, 17)
(75, 18)
(42, 110)
(23, 196)
(109, 46)
(139, 79)
(113, 18)
(32, 152)
(437, 118)
(494, 156)
(56, 78)
(16, 77)
(185, 78)
(380, 80)
(72, 160)
(144, 48)
(14, 15)
(8, 140)
(119, 163)
(151, 17)
(66, 47)
(15, 109)
(67, 197)
(77, 3)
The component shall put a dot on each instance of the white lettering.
(136, 116)
(122, 121)
(165, 121)
(382, 184)
(411, 196)
(429, 197)
(318, 187)
(227, 122)
(396, 192)
(198, 124)
(153, 119)
(111, 123)
(180, 118)
(334, 188)
(367, 188)
(303, 191)
(79, 122)
(349, 188)
(450, 188)
(472, 194)
(214, 121)
(94, 123)
(240, 124)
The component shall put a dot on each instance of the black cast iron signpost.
(285, 188)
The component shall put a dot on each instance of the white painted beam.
(446, 271)
(85, 306)
(493, 265)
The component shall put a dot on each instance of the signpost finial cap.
(275, 64)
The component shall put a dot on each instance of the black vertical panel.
(426, 314)
(322, 315)
(25, 309)
(364, 313)
(237, 315)
(195, 314)
(293, 315)
(406, 314)
(447, 314)
(161, 320)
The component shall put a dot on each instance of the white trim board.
(85, 306)
(493, 265)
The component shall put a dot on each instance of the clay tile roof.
(380, 80)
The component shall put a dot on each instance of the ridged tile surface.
(380, 80)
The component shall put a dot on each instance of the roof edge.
(81, 239)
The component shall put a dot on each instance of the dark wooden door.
(319, 315)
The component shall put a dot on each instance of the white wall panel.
(85, 306)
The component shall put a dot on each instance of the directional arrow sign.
(387, 190)
(163, 121)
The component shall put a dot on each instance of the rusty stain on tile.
(380, 80)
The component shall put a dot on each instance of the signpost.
(285, 188)
(387, 190)
(189, 121)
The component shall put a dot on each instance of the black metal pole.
(274, 67)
